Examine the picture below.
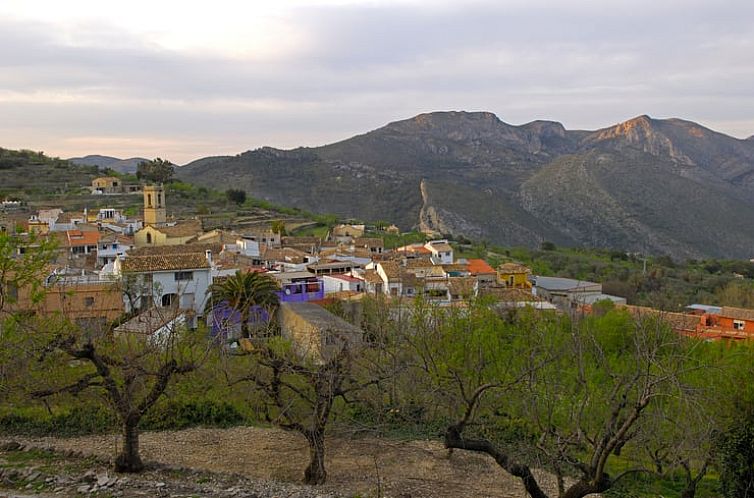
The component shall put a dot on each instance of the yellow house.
(513, 275)
(168, 234)
(107, 185)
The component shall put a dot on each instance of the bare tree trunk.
(129, 459)
(315, 472)
(690, 490)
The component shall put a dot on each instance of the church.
(158, 231)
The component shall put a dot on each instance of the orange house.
(84, 300)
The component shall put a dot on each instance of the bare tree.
(301, 389)
(131, 370)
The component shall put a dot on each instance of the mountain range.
(659, 186)
(125, 166)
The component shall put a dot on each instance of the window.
(149, 238)
(149, 200)
(738, 324)
(184, 275)
(169, 300)
(88, 301)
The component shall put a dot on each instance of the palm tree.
(243, 292)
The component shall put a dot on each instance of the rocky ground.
(42, 472)
(252, 462)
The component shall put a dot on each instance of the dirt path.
(355, 466)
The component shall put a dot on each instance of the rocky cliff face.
(665, 186)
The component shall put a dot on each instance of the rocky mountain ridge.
(653, 185)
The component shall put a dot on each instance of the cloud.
(334, 71)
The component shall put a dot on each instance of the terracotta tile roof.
(479, 267)
(509, 295)
(165, 262)
(110, 237)
(392, 270)
(183, 228)
(440, 247)
(79, 238)
(678, 321)
(461, 286)
(66, 217)
(369, 242)
(416, 248)
(291, 240)
(371, 276)
(284, 254)
(176, 249)
(737, 313)
(418, 263)
(456, 267)
(513, 268)
(150, 321)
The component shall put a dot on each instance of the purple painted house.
(299, 286)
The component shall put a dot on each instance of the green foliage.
(156, 171)
(736, 449)
(235, 195)
(278, 226)
(180, 414)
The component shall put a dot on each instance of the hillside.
(26, 174)
(660, 186)
(123, 166)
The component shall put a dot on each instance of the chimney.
(208, 255)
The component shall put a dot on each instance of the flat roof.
(558, 283)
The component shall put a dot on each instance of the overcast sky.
(184, 79)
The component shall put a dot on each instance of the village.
(159, 271)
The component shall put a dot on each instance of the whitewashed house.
(166, 280)
(442, 252)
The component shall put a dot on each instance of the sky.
(185, 79)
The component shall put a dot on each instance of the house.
(299, 286)
(514, 275)
(156, 325)
(332, 267)
(738, 319)
(341, 283)
(413, 249)
(508, 298)
(570, 294)
(372, 282)
(107, 185)
(156, 277)
(43, 220)
(309, 245)
(373, 245)
(112, 246)
(79, 242)
(395, 280)
(346, 233)
(442, 252)
(315, 332)
(83, 298)
(484, 273)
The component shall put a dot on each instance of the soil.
(364, 467)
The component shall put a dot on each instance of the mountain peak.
(430, 119)
(545, 128)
